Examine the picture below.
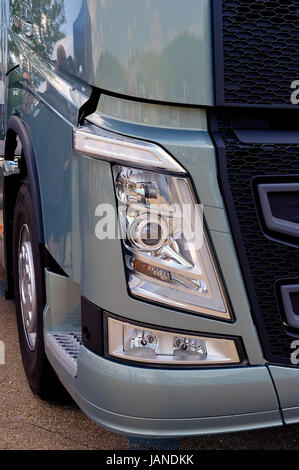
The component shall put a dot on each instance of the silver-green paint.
(47, 95)
(141, 426)
(286, 381)
(153, 49)
(174, 394)
(49, 102)
(149, 114)
(189, 402)
(63, 308)
(172, 428)
(195, 152)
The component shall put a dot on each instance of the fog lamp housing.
(135, 342)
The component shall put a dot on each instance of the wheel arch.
(17, 128)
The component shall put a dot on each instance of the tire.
(30, 297)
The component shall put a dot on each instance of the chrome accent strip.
(96, 142)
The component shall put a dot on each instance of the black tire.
(41, 377)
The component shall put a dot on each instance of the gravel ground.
(26, 422)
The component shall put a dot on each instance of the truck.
(150, 208)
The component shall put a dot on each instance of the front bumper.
(169, 403)
(173, 428)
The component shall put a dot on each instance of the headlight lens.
(131, 342)
(167, 254)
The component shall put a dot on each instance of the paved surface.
(26, 422)
(2, 146)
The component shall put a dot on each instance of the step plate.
(65, 347)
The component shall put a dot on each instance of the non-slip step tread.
(65, 347)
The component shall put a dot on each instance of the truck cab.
(150, 198)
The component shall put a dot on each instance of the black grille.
(260, 51)
(265, 261)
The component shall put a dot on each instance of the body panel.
(161, 57)
(157, 50)
(157, 428)
(194, 150)
(166, 393)
(171, 428)
(286, 381)
(173, 394)
(49, 103)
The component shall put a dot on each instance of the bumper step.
(65, 347)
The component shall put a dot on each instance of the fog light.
(130, 342)
(141, 343)
(186, 348)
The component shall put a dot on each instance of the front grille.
(264, 260)
(259, 41)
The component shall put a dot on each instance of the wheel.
(29, 287)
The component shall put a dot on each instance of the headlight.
(131, 342)
(166, 249)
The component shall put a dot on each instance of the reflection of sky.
(72, 10)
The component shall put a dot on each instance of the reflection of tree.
(48, 17)
(110, 66)
(183, 81)
(151, 73)
(154, 73)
